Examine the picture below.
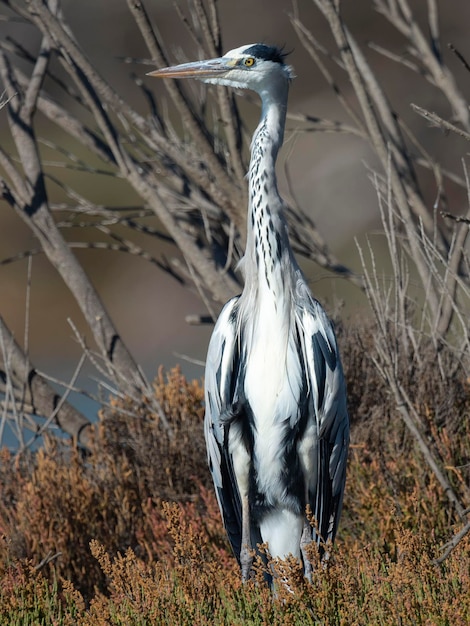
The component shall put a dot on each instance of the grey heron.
(276, 422)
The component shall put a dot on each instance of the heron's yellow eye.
(249, 62)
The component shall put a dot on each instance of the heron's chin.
(225, 82)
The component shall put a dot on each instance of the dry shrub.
(440, 394)
(142, 501)
(185, 588)
(361, 585)
(169, 465)
(55, 502)
(435, 381)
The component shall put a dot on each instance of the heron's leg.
(246, 558)
(306, 540)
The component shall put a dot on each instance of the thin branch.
(428, 52)
(189, 118)
(453, 266)
(322, 125)
(397, 58)
(310, 44)
(63, 399)
(453, 543)
(36, 214)
(456, 218)
(436, 120)
(460, 57)
(433, 21)
(40, 395)
(378, 138)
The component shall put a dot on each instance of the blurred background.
(326, 173)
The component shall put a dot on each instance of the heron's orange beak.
(197, 69)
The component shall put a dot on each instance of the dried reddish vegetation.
(131, 534)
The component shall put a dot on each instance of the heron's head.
(253, 66)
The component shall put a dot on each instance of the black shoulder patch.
(267, 53)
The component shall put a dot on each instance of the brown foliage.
(437, 386)
(132, 532)
(169, 464)
(56, 501)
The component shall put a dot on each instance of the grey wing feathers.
(222, 353)
(329, 415)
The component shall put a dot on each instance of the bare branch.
(453, 543)
(41, 397)
(436, 120)
(37, 215)
(460, 57)
(360, 77)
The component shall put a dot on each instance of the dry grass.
(132, 535)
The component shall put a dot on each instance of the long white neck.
(267, 304)
(267, 241)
